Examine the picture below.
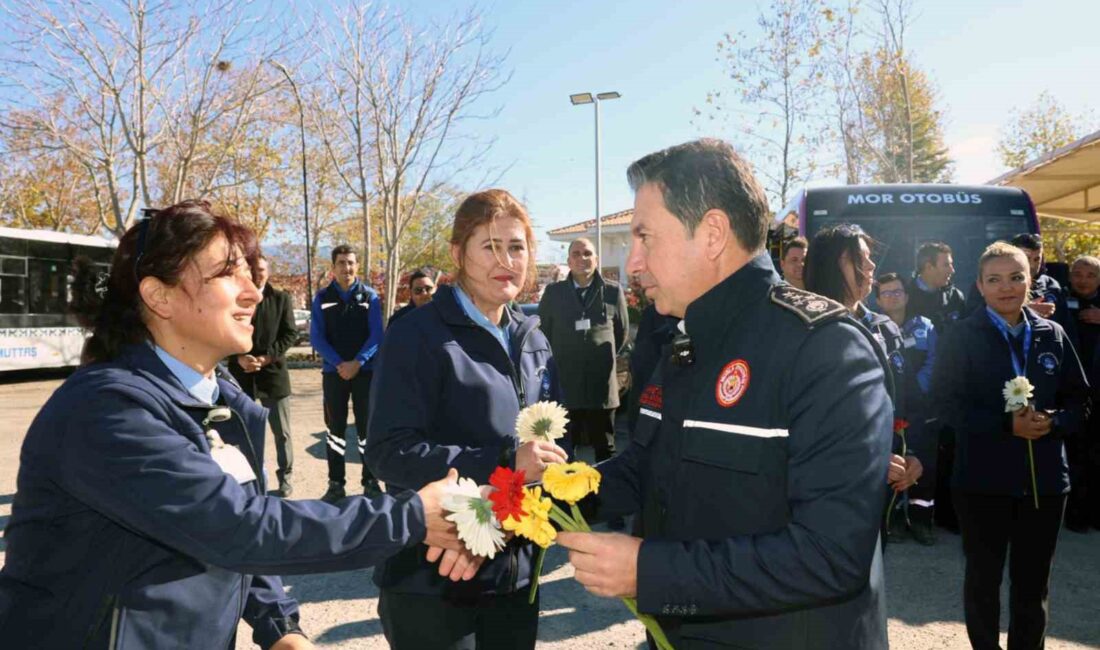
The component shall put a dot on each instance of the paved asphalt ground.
(340, 610)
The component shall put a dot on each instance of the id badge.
(583, 325)
(233, 462)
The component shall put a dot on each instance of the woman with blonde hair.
(1010, 477)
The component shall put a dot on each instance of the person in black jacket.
(262, 372)
(933, 296)
(1081, 319)
(839, 266)
(1010, 477)
(421, 290)
(449, 385)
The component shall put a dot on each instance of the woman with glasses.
(421, 290)
(839, 266)
(140, 518)
(1010, 476)
(450, 383)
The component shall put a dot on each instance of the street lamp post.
(589, 98)
(305, 176)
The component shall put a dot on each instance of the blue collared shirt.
(1014, 330)
(204, 389)
(500, 332)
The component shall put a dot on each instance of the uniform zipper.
(107, 609)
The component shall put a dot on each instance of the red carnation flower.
(900, 424)
(508, 497)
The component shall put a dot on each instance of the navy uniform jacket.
(759, 473)
(125, 533)
(888, 335)
(1085, 336)
(971, 372)
(345, 330)
(942, 306)
(446, 394)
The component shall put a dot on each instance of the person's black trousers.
(336, 392)
(427, 622)
(993, 527)
(945, 464)
(594, 427)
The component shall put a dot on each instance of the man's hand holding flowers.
(606, 563)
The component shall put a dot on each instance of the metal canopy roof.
(1064, 183)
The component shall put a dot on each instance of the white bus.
(36, 276)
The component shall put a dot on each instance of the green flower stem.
(535, 577)
(579, 518)
(650, 624)
(559, 517)
(1031, 464)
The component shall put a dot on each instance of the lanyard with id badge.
(228, 457)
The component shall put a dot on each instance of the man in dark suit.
(262, 373)
(584, 317)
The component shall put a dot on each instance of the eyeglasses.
(892, 293)
(421, 290)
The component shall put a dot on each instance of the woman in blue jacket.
(1002, 509)
(140, 518)
(450, 382)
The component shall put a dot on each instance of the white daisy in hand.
(1017, 393)
(472, 514)
(543, 421)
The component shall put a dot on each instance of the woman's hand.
(913, 471)
(1030, 424)
(533, 457)
(897, 470)
(441, 533)
(456, 565)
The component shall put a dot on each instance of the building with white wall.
(616, 240)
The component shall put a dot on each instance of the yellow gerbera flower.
(536, 525)
(571, 482)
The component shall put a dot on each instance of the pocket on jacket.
(737, 448)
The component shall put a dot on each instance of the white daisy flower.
(1017, 392)
(543, 421)
(472, 514)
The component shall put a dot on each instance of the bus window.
(13, 285)
(48, 286)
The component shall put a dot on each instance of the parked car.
(301, 323)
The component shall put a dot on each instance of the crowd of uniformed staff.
(811, 418)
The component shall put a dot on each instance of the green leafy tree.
(1042, 127)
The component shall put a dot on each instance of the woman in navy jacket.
(140, 518)
(450, 382)
(992, 482)
(839, 266)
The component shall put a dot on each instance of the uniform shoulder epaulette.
(810, 307)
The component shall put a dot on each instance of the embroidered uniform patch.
(810, 307)
(1049, 362)
(652, 397)
(732, 382)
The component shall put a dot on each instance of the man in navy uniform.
(763, 437)
(346, 329)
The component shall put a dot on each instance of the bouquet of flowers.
(1018, 392)
(482, 515)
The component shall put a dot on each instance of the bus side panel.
(29, 348)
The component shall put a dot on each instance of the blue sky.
(986, 58)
